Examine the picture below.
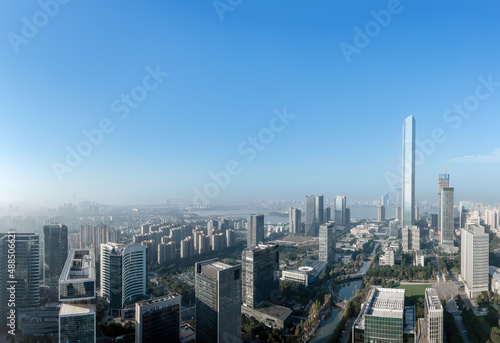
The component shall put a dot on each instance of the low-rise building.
(274, 316)
(419, 258)
(388, 258)
(494, 279)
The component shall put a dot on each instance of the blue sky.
(225, 78)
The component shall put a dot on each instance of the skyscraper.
(218, 302)
(295, 220)
(158, 319)
(408, 172)
(55, 252)
(260, 266)
(123, 273)
(381, 213)
(446, 216)
(475, 259)
(314, 214)
(433, 314)
(411, 238)
(398, 214)
(443, 181)
(340, 209)
(255, 233)
(328, 214)
(393, 228)
(77, 292)
(463, 209)
(327, 241)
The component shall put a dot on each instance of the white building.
(475, 259)
(388, 258)
(411, 238)
(494, 279)
(419, 258)
(433, 317)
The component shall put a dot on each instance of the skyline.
(209, 85)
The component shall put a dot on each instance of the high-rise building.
(314, 214)
(340, 209)
(26, 277)
(255, 232)
(417, 214)
(385, 200)
(474, 259)
(166, 252)
(347, 216)
(384, 318)
(151, 250)
(381, 213)
(158, 319)
(434, 220)
(218, 302)
(393, 229)
(230, 238)
(398, 214)
(260, 266)
(327, 241)
(408, 205)
(187, 247)
(55, 253)
(77, 292)
(294, 220)
(443, 181)
(447, 219)
(433, 314)
(328, 214)
(464, 208)
(217, 241)
(123, 273)
(411, 238)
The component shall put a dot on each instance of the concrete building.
(447, 224)
(151, 250)
(419, 258)
(314, 214)
(217, 241)
(433, 314)
(411, 238)
(295, 220)
(494, 279)
(306, 274)
(158, 319)
(230, 238)
(123, 274)
(384, 318)
(327, 243)
(166, 252)
(398, 214)
(260, 282)
(187, 247)
(408, 205)
(218, 302)
(463, 208)
(255, 232)
(77, 292)
(381, 213)
(388, 258)
(273, 316)
(393, 229)
(55, 252)
(443, 181)
(328, 214)
(475, 259)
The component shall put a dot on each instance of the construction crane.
(446, 169)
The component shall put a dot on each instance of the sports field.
(416, 290)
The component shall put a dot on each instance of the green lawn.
(416, 290)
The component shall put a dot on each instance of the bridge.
(339, 301)
(354, 276)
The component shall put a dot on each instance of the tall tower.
(295, 220)
(314, 214)
(443, 181)
(55, 252)
(408, 172)
(327, 243)
(475, 257)
(218, 302)
(340, 209)
(447, 220)
(255, 232)
(158, 319)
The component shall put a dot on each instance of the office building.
(419, 258)
(218, 302)
(447, 224)
(158, 319)
(305, 275)
(123, 274)
(393, 229)
(408, 206)
(328, 214)
(260, 267)
(327, 241)
(314, 214)
(443, 181)
(475, 259)
(347, 216)
(294, 220)
(77, 292)
(381, 213)
(255, 232)
(434, 220)
(417, 214)
(388, 258)
(340, 210)
(463, 209)
(55, 252)
(384, 318)
(398, 214)
(433, 317)
(385, 200)
(411, 238)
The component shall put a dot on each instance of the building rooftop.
(210, 268)
(432, 299)
(276, 311)
(76, 309)
(158, 300)
(79, 265)
(381, 302)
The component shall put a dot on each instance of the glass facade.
(447, 216)
(408, 172)
(55, 252)
(161, 325)
(327, 243)
(383, 330)
(340, 210)
(255, 232)
(77, 328)
(77, 290)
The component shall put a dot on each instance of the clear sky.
(348, 80)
